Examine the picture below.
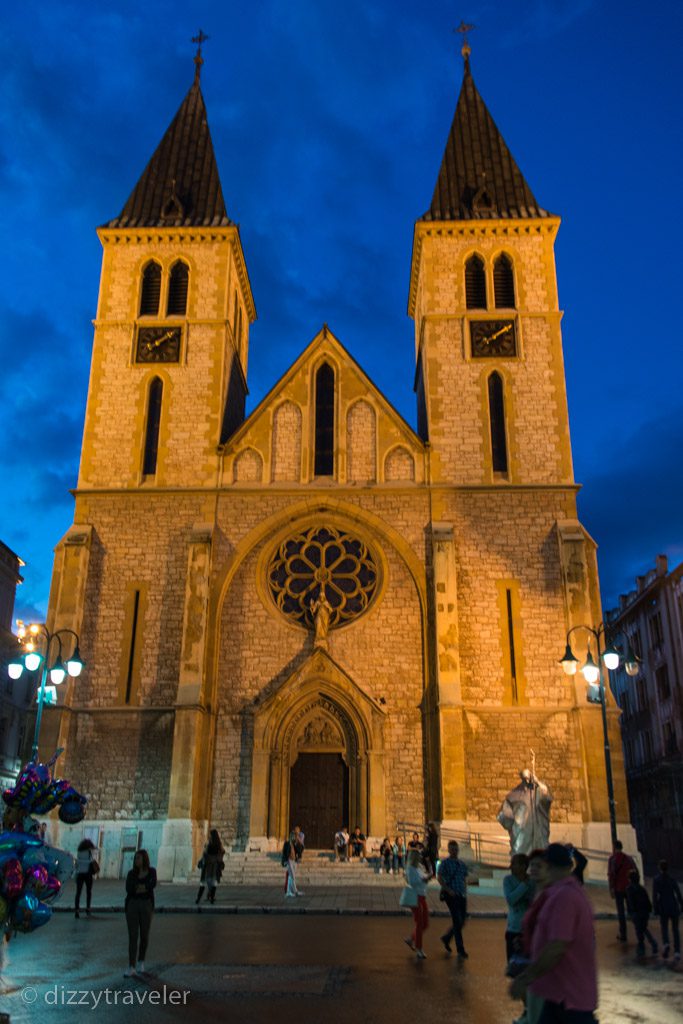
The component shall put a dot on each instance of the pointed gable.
(180, 185)
(372, 443)
(479, 178)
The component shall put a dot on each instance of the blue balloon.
(30, 913)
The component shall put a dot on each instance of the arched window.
(324, 421)
(156, 391)
(475, 283)
(177, 290)
(151, 290)
(504, 282)
(499, 455)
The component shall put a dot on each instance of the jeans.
(84, 879)
(397, 862)
(421, 919)
(139, 914)
(664, 922)
(640, 922)
(458, 908)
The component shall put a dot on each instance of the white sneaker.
(391, 871)
(287, 894)
(299, 893)
(381, 872)
(140, 967)
(130, 972)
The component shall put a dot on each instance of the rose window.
(323, 560)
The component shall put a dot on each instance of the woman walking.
(212, 866)
(289, 864)
(140, 885)
(417, 879)
(86, 868)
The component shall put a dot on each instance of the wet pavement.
(317, 969)
(352, 898)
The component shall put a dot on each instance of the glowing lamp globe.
(591, 672)
(32, 660)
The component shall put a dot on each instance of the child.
(639, 908)
(385, 856)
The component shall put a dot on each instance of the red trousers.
(421, 919)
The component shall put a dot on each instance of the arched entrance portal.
(319, 779)
(318, 757)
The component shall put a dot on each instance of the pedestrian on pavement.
(619, 867)
(452, 877)
(417, 879)
(212, 864)
(640, 908)
(563, 970)
(538, 875)
(341, 844)
(86, 869)
(518, 890)
(289, 864)
(432, 842)
(580, 862)
(139, 907)
(668, 904)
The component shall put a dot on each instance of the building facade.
(651, 617)
(316, 614)
(15, 694)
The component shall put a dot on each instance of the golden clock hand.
(496, 334)
(151, 345)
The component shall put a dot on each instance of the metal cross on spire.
(198, 59)
(466, 50)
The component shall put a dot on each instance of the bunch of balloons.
(36, 791)
(31, 871)
(31, 877)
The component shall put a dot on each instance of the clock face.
(493, 338)
(158, 345)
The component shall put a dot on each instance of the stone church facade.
(451, 559)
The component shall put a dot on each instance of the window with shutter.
(177, 290)
(475, 283)
(151, 290)
(504, 283)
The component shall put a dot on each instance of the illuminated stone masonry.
(314, 614)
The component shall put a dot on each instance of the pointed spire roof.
(180, 184)
(479, 178)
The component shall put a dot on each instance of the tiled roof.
(180, 185)
(479, 178)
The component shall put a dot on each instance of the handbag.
(408, 897)
(94, 867)
(200, 863)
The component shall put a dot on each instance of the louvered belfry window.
(475, 283)
(324, 421)
(499, 455)
(177, 290)
(156, 393)
(504, 282)
(151, 290)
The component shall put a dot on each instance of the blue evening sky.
(329, 122)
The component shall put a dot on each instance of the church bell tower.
(169, 363)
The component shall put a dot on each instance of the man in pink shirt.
(562, 971)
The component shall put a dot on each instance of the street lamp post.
(593, 674)
(32, 639)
